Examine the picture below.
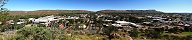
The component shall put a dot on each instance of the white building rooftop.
(122, 22)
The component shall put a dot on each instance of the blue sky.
(95, 5)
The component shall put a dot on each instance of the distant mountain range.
(48, 12)
(129, 11)
(81, 11)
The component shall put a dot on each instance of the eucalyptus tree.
(3, 11)
(2, 3)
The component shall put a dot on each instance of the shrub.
(34, 33)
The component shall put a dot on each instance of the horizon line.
(101, 10)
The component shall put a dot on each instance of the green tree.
(34, 33)
(134, 33)
(151, 33)
(3, 11)
(175, 30)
